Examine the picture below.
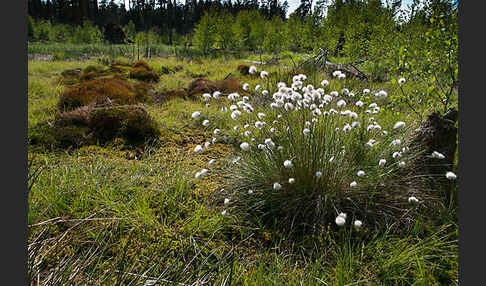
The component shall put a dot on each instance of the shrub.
(327, 144)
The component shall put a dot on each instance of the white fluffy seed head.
(198, 149)
(396, 142)
(358, 223)
(206, 96)
(413, 200)
(245, 146)
(205, 123)
(277, 186)
(318, 174)
(196, 114)
(451, 176)
(382, 162)
(306, 131)
(437, 155)
(353, 184)
(288, 164)
(398, 125)
(340, 221)
(291, 180)
(361, 173)
(341, 103)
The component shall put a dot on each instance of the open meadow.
(114, 212)
(248, 143)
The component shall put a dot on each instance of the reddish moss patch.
(130, 121)
(229, 85)
(143, 74)
(141, 64)
(142, 71)
(90, 125)
(200, 86)
(101, 91)
(171, 94)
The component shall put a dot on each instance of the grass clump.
(102, 90)
(130, 121)
(142, 71)
(313, 157)
(225, 86)
(89, 125)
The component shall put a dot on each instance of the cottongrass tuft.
(322, 150)
(198, 149)
(450, 175)
(413, 200)
(437, 155)
(340, 220)
(398, 125)
(288, 164)
(196, 115)
(245, 146)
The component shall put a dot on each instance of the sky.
(293, 4)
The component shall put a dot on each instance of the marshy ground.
(106, 209)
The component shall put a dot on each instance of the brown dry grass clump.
(243, 69)
(142, 71)
(131, 122)
(144, 75)
(165, 96)
(103, 90)
(89, 125)
(92, 72)
(225, 86)
(200, 86)
(229, 85)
